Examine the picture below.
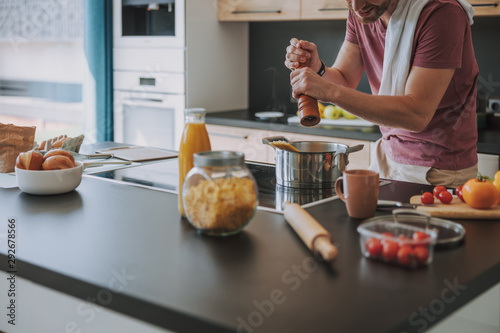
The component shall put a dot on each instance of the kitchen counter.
(488, 138)
(263, 279)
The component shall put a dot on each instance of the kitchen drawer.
(258, 10)
(245, 140)
(168, 83)
(324, 10)
(149, 60)
(485, 7)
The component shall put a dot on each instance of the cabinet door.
(486, 7)
(258, 10)
(245, 140)
(324, 10)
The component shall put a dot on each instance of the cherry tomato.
(420, 236)
(445, 197)
(390, 250)
(405, 255)
(479, 193)
(402, 239)
(458, 192)
(373, 246)
(386, 235)
(421, 254)
(438, 189)
(427, 198)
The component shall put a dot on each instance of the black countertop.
(488, 138)
(263, 278)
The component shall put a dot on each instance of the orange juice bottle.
(194, 140)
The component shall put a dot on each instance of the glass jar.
(194, 139)
(219, 194)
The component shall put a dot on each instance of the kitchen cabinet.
(295, 10)
(324, 10)
(486, 7)
(249, 141)
(258, 10)
(246, 140)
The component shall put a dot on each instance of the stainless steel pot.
(317, 164)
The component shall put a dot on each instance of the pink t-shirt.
(442, 40)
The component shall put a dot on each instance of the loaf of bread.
(61, 152)
(55, 159)
(57, 162)
(30, 160)
(51, 143)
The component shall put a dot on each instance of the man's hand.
(299, 51)
(305, 81)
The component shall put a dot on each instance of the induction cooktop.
(164, 176)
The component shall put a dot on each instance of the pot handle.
(270, 139)
(348, 150)
(354, 149)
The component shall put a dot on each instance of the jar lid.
(218, 158)
(194, 110)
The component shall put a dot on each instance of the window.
(42, 66)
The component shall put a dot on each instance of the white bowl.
(47, 182)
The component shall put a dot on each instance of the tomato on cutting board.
(427, 198)
(445, 197)
(496, 182)
(438, 189)
(458, 192)
(479, 193)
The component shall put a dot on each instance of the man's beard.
(376, 12)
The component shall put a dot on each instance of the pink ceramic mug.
(360, 192)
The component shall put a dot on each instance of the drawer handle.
(332, 9)
(485, 5)
(256, 11)
(244, 137)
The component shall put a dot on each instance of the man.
(426, 110)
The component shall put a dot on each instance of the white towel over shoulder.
(399, 41)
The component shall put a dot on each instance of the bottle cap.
(218, 158)
(195, 110)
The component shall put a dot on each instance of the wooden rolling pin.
(317, 239)
(308, 106)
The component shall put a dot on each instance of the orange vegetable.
(479, 193)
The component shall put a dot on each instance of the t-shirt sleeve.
(350, 34)
(441, 38)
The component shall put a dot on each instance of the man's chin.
(367, 20)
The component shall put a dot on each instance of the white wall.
(42, 61)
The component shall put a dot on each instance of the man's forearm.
(335, 76)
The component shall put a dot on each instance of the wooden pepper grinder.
(308, 106)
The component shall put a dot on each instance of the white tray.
(341, 122)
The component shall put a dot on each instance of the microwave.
(145, 24)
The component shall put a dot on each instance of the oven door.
(144, 23)
(147, 119)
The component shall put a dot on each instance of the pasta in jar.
(219, 194)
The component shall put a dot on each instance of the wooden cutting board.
(457, 210)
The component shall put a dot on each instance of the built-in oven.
(148, 108)
(148, 23)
